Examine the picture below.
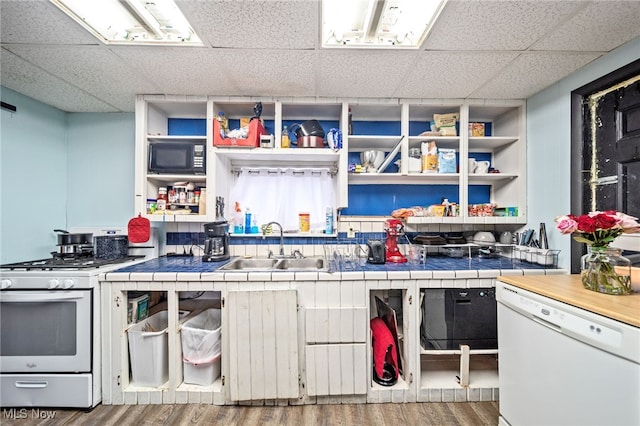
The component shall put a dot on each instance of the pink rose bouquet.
(597, 229)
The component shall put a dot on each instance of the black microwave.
(188, 157)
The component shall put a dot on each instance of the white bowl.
(484, 237)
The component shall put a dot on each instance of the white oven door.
(45, 331)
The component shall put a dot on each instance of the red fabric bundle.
(382, 339)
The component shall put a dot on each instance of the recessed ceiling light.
(402, 24)
(150, 22)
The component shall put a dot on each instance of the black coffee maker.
(216, 242)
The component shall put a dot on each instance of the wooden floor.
(459, 413)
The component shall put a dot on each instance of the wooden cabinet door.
(263, 352)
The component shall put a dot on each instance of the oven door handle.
(15, 296)
(32, 384)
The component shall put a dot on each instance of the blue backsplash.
(197, 238)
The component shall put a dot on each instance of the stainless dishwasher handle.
(40, 384)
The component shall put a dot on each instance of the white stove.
(50, 331)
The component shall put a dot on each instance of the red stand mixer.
(394, 229)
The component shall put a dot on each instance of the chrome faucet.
(296, 254)
(264, 233)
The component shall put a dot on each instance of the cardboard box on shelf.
(476, 129)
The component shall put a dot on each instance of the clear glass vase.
(605, 270)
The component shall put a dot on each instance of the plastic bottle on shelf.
(254, 225)
(202, 203)
(285, 142)
(238, 220)
(247, 221)
(329, 221)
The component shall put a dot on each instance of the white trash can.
(201, 348)
(148, 350)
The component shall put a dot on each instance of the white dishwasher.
(561, 365)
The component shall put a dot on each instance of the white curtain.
(281, 194)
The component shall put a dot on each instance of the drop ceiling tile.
(39, 22)
(93, 69)
(496, 24)
(255, 24)
(601, 26)
(362, 73)
(271, 72)
(176, 70)
(30, 80)
(452, 74)
(531, 73)
(225, 71)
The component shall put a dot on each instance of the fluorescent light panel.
(402, 24)
(126, 22)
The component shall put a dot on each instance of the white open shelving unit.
(506, 146)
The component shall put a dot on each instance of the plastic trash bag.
(201, 340)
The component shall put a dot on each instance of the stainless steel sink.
(305, 264)
(248, 265)
(262, 265)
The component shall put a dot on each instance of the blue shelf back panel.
(187, 127)
(381, 200)
(382, 128)
(479, 194)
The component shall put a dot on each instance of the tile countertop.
(569, 289)
(435, 267)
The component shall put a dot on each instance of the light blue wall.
(33, 178)
(549, 144)
(61, 170)
(101, 177)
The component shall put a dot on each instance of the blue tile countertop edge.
(194, 264)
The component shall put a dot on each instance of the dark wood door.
(605, 146)
(611, 158)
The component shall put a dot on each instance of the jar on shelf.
(151, 205)
(162, 201)
(172, 196)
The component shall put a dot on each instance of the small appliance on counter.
(394, 229)
(216, 243)
(376, 252)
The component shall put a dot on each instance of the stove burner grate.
(68, 262)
